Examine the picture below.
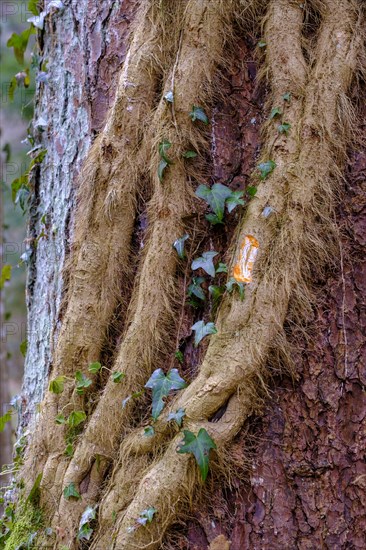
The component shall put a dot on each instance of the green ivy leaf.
(22, 198)
(17, 184)
(69, 450)
(266, 168)
(149, 431)
(85, 531)
(163, 148)
(82, 382)
(19, 43)
(161, 385)
(57, 385)
(94, 367)
(118, 376)
(23, 347)
(201, 330)
(32, 7)
(205, 262)
(284, 128)
(179, 356)
(222, 268)
(190, 154)
(5, 275)
(216, 293)
(70, 491)
(286, 96)
(198, 113)
(4, 420)
(161, 167)
(215, 198)
(76, 418)
(276, 111)
(251, 190)
(179, 246)
(60, 419)
(200, 447)
(234, 200)
(195, 288)
(233, 284)
(169, 97)
(177, 416)
(146, 516)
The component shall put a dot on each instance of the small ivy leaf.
(284, 128)
(85, 532)
(149, 431)
(200, 447)
(161, 167)
(216, 292)
(32, 6)
(146, 516)
(222, 268)
(69, 451)
(118, 376)
(198, 113)
(22, 198)
(251, 190)
(35, 489)
(213, 219)
(234, 200)
(177, 416)
(76, 418)
(179, 246)
(60, 419)
(262, 44)
(266, 168)
(286, 96)
(4, 420)
(82, 382)
(232, 284)
(205, 262)
(19, 43)
(57, 385)
(169, 97)
(70, 491)
(215, 197)
(195, 288)
(5, 275)
(94, 367)
(17, 184)
(163, 148)
(161, 385)
(276, 111)
(179, 356)
(201, 330)
(190, 154)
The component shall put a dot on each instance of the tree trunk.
(294, 475)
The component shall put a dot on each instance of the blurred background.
(17, 92)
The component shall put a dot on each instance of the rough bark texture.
(307, 476)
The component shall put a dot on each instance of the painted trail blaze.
(247, 255)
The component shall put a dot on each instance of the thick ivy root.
(153, 302)
(295, 251)
(99, 270)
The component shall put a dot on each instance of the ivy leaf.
(22, 198)
(213, 219)
(266, 168)
(88, 515)
(222, 268)
(216, 292)
(146, 516)
(85, 532)
(94, 367)
(201, 330)
(161, 167)
(149, 431)
(169, 97)
(286, 96)
(4, 420)
(179, 246)
(195, 288)
(232, 284)
(82, 382)
(5, 275)
(198, 113)
(19, 43)
(60, 419)
(23, 347)
(69, 451)
(17, 184)
(35, 489)
(163, 148)
(179, 356)
(118, 376)
(70, 491)
(205, 262)
(215, 198)
(76, 418)
(177, 416)
(262, 44)
(200, 447)
(234, 200)
(32, 7)
(276, 111)
(57, 385)
(251, 190)
(161, 385)
(284, 128)
(190, 154)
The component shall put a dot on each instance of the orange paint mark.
(247, 255)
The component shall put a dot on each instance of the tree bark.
(305, 479)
